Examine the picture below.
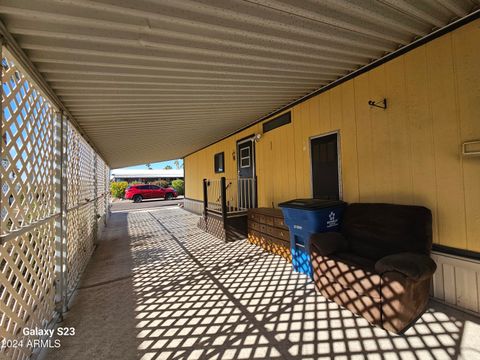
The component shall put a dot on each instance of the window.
(245, 157)
(277, 122)
(219, 161)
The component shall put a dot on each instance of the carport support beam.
(97, 199)
(60, 233)
(106, 196)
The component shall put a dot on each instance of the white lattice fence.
(80, 209)
(73, 167)
(27, 268)
(80, 244)
(31, 208)
(28, 193)
(101, 187)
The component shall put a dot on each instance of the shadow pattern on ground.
(200, 298)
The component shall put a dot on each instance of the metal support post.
(106, 195)
(65, 204)
(223, 195)
(205, 197)
(95, 202)
(60, 245)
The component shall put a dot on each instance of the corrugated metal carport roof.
(154, 80)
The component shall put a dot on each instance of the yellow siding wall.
(408, 154)
(200, 165)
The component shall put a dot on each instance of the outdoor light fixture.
(257, 137)
(379, 104)
(471, 148)
(233, 155)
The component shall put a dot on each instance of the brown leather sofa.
(378, 266)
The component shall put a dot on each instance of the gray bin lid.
(311, 204)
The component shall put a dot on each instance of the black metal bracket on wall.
(379, 104)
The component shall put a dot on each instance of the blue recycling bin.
(305, 217)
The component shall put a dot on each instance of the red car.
(139, 192)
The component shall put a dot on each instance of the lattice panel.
(101, 185)
(27, 291)
(73, 169)
(106, 188)
(27, 151)
(80, 214)
(80, 235)
(80, 169)
(101, 206)
(27, 261)
(86, 171)
(100, 177)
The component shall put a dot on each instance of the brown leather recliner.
(378, 266)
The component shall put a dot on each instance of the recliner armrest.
(414, 266)
(328, 243)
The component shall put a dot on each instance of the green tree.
(161, 183)
(179, 186)
(168, 167)
(117, 189)
(178, 164)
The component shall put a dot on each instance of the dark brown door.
(325, 167)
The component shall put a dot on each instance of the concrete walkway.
(160, 288)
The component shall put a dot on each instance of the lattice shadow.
(199, 298)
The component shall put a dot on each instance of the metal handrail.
(230, 200)
(220, 197)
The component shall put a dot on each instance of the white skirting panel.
(457, 281)
(194, 206)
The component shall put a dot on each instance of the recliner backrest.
(378, 230)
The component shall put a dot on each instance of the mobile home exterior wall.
(407, 154)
